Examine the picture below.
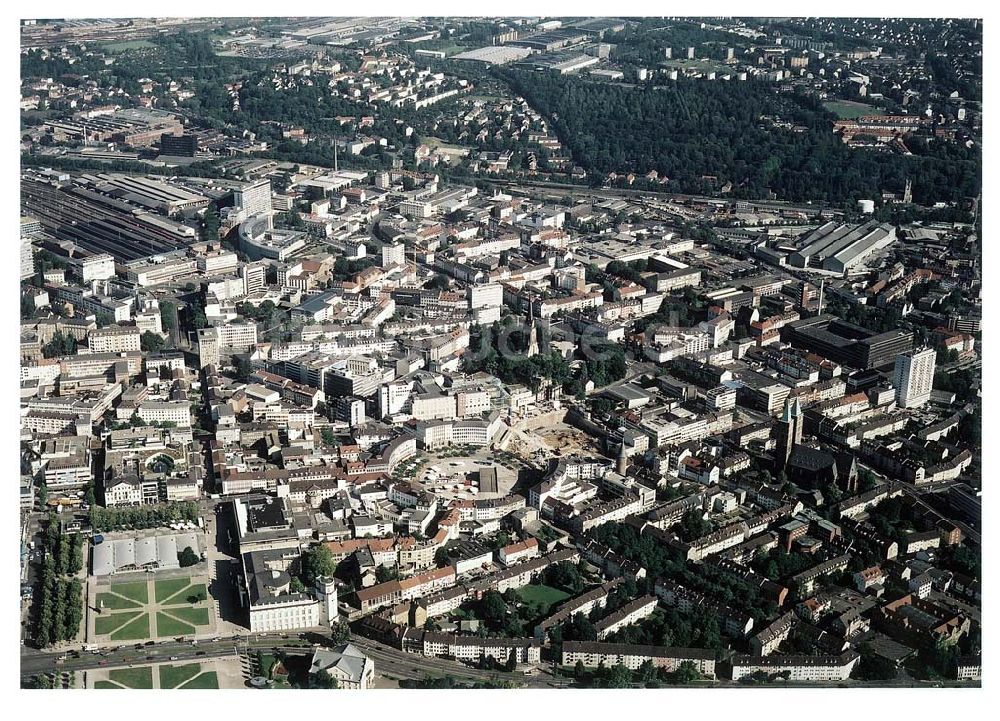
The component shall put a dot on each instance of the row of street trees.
(60, 599)
(109, 519)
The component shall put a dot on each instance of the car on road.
(173, 658)
(150, 643)
(103, 663)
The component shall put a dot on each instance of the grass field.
(133, 630)
(115, 602)
(174, 676)
(135, 591)
(701, 65)
(181, 597)
(109, 622)
(848, 110)
(194, 616)
(448, 49)
(209, 679)
(133, 677)
(130, 45)
(105, 684)
(167, 588)
(170, 626)
(544, 595)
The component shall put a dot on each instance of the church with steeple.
(789, 432)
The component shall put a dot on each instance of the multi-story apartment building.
(594, 654)
(178, 412)
(114, 339)
(798, 668)
(474, 649)
(392, 592)
(626, 615)
(67, 463)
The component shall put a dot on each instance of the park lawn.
(174, 676)
(133, 630)
(169, 626)
(194, 616)
(115, 602)
(209, 679)
(106, 684)
(135, 591)
(181, 597)
(847, 110)
(133, 677)
(106, 624)
(266, 661)
(541, 594)
(169, 587)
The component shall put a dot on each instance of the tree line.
(647, 675)
(109, 519)
(59, 603)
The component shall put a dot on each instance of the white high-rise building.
(27, 258)
(393, 254)
(253, 198)
(254, 277)
(208, 347)
(97, 267)
(914, 377)
(489, 295)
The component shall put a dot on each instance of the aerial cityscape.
(500, 353)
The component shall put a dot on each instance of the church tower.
(621, 465)
(789, 430)
(532, 332)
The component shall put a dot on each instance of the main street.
(392, 662)
(389, 661)
(33, 661)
